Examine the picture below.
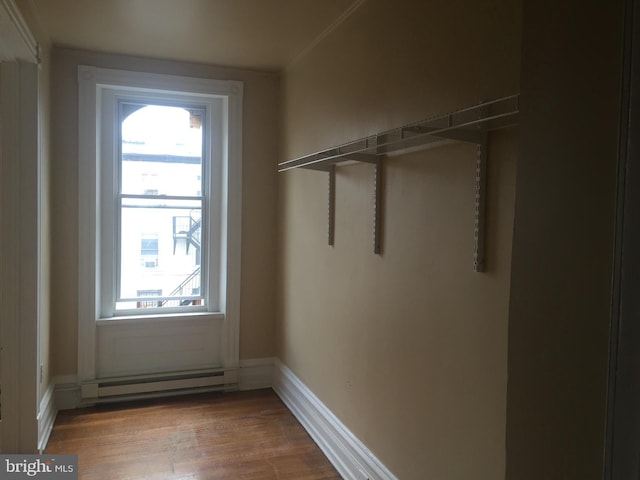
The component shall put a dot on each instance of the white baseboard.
(46, 416)
(256, 373)
(348, 455)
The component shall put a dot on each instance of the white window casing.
(98, 90)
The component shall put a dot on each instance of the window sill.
(128, 319)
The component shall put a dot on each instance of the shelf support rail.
(482, 154)
(377, 208)
(332, 204)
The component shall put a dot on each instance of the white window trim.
(89, 288)
(215, 108)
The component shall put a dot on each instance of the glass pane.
(160, 253)
(161, 150)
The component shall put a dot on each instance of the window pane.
(160, 250)
(149, 246)
(160, 253)
(161, 150)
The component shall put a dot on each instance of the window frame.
(92, 84)
(109, 99)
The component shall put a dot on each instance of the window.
(148, 254)
(148, 293)
(160, 142)
(166, 181)
(164, 172)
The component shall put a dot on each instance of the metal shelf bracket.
(332, 204)
(377, 201)
(482, 154)
(377, 208)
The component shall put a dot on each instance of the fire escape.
(186, 229)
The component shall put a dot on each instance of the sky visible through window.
(157, 129)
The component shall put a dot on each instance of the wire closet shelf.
(466, 125)
(469, 125)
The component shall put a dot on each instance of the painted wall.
(563, 240)
(261, 96)
(408, 349)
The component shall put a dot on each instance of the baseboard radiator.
(149, 386)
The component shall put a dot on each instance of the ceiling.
(256, 34)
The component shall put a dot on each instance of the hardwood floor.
(227, 436)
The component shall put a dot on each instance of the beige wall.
(408, 349)
(563, 240)
(398, 63)
(261, 95)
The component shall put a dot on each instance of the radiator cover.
(127, 388)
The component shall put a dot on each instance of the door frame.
(622, 443)
(20, 227)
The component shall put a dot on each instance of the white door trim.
(18, 163)
(20, 270)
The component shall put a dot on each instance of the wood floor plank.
(215, 436)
